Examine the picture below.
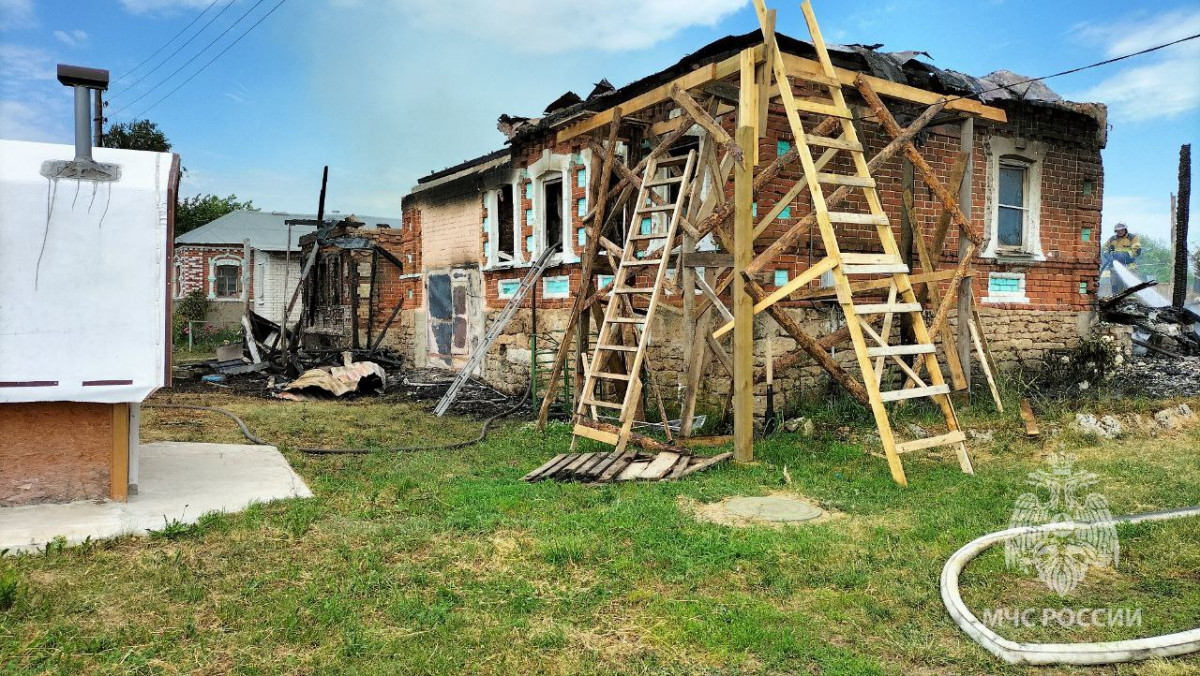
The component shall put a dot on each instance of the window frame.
(224, 261)
(237, 280)
(1010, 152)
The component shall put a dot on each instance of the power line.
(164, 45)
(180, 49)
(1072, 71)
(194, 56)
(210, 61)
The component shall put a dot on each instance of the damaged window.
(1012, 205)
(228, 282)
(552, 210)
(506, 242)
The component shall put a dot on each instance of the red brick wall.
(1073, 156)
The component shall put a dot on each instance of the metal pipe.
(83, 126)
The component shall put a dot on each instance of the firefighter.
(1124, 247)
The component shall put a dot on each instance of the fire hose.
(1108, 652)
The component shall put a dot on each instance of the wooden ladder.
(872, 346)
(654, 220)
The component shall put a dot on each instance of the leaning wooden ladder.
(497, 328)
(901, 300)
(622, 314)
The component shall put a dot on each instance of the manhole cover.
(772, 509)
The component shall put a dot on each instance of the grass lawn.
(444, 562)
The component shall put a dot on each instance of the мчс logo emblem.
(1062, 557)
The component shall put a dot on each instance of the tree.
(1156, 261)
(193, 212)
(139, 135)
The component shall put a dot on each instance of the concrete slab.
(773, 508)
(179, 482)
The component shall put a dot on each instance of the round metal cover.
(772, 509)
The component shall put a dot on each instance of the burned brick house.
(1034, 188)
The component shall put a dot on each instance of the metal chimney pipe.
(83, 80)
(83, 124)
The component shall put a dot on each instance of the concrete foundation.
(178, 482)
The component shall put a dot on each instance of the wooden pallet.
(607, 467)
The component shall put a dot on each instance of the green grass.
(444, 562)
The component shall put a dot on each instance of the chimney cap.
(92, 78)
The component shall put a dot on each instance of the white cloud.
(34, 120)
(16, 14)
(75, 38)
(1162, 84)
(162, 6)
(1143, 215)
(21, 65)
(552, 26)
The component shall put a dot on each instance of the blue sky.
(385, 91)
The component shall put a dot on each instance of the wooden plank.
(900, 350)
(1031, 425)
(632, 471)
(881, 308)
(914, 393)
(811, 273)
(857, 219)
(851, 258)
(842, 179)
(595, 434)
(955, 437)
(541, 469)
(702, 464)
(660, 466)
(575, 464)
(871, 285)
(892, 269)
(119, 471)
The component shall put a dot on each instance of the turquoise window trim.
(581, 178)
(581, 207)
(786, 213)
(556, 287)
(529, 191)
(1004, 285)
(754, 209)
(487, 250)
(1086, 234)
(647, 226)
(581, 237)
(529, 244)
(529, 217)
(507, 288)
(603, 280)
(781, 276)
(1083, 288)
(782, 148)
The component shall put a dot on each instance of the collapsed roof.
(905, 67)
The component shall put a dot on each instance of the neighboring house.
(1036, 186)
(212, 258)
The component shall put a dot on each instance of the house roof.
(266, 230)
(996, 88)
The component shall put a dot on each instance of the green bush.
(10, 587)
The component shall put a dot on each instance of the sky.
(386, 91)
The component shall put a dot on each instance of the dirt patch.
(739, 517)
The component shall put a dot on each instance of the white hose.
(1109, 652)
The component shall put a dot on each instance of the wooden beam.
(119, 466)
(950, 201)
(702, 118)
(743, 251)
(697, 77)
(807, 69)
(595, 235)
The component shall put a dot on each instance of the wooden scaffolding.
(675, 197)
